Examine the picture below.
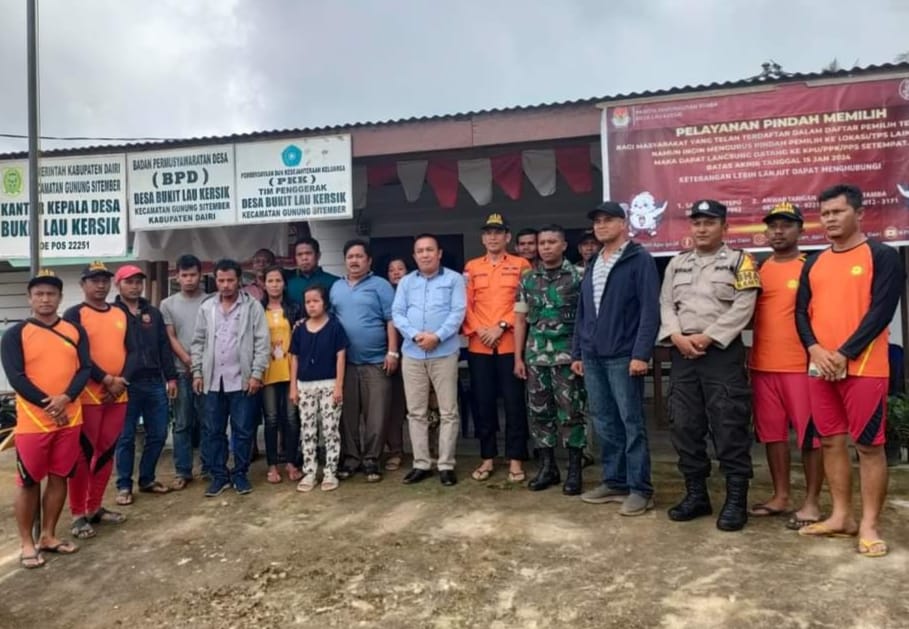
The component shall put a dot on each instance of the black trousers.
(711, 396)
(492, 375)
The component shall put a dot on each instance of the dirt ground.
(484, 555)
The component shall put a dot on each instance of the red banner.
(754, 149)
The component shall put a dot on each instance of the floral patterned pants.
(316, 402)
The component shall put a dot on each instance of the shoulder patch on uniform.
(746, 273)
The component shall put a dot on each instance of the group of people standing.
(561, 345)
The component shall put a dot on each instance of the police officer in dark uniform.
(707, 299)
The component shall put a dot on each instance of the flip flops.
(273, 476)
(795, 523)
(155, 487)
(124, 497)
(105, 516)
(872, 547)
(517, 477)
(30, 562)
(480, 474)
(64, 547)
(761, 510)
(179, 483)
(819, 529)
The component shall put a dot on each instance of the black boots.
(734, 513)
(548, 474)
(573, 481)
(696, 502)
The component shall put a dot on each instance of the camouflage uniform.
(555, 396)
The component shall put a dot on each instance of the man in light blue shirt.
(428, 310)
(362, 303)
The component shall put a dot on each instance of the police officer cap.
(495, 221)
(785, 210)
(46, 276)
(707, 207)
(609, 208)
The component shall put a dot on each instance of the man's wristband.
(394, 354)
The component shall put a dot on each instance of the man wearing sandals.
(152, 385)
(545, 308)
(47, 364)
(113, 352)
(847, 296)
(179, 312)
(492, 283)
(779, 372)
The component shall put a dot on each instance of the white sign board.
(83, 207)
(183, 188)
(297, 179)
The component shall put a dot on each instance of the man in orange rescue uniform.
(779, 372)
(46, 362)
(112, 351)
(492, 283)
(847, 296)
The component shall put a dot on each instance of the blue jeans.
(148, 399)
(239, 408)
(189, 409)
(616, 401)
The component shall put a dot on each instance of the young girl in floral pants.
(317, 355)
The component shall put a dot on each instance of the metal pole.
(34, 223)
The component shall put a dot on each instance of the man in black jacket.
(617, 321)
(154, 382)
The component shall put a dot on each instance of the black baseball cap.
(707, 207)
(46, 276)
(588, 235)
(785, 210)
(495, 221)
(609, 208)
(95, 269)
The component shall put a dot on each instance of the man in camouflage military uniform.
(544, 316)
(707, 299)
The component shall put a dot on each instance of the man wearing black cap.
(588, 246)
(492, 284)
(46, 363)
(707, 299)
(617, 321)
(779, 372)
(112, 348)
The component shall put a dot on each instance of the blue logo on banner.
(292, 156)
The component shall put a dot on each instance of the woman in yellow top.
(280, 416)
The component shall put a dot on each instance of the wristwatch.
(503, 325)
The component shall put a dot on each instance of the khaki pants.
(441, 375)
